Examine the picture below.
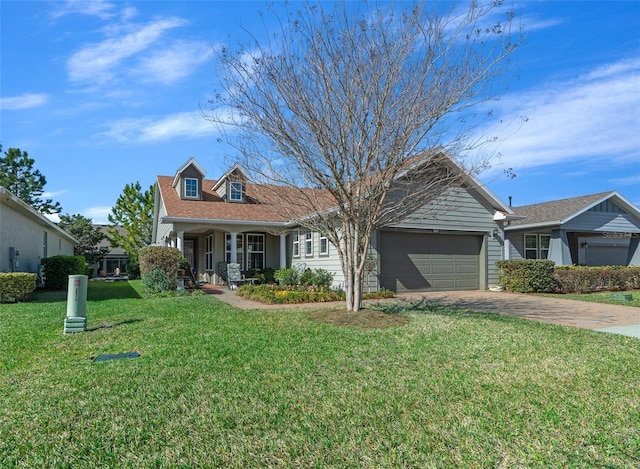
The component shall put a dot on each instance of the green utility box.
(76, 320)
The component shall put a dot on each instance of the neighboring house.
(597, 229)
(116, 258)
(27, 236)
(450, 243)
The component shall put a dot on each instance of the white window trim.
(187, 196)
(208, 254)
(263, 252)
(232, 190)
(240, 246)
(326, 242)
(538, 249)
(296, 244)
(308, 244)
(541, 249)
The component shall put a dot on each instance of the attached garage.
(418, 261)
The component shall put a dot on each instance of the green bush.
(319, 278)
(287, 276)
(58, 268)
(156, 281)
(16, 286)
(526, 275)
(164, 259)
(278, 295)
(133, 269)
(581, 279)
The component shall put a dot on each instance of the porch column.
(180, 241)
(507, 248)
(633, 257)
(283, 250)
(559, 248)
(234, 248)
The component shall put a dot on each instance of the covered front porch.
(207, 249)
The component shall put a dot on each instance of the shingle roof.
(260, 206)
(555, 211)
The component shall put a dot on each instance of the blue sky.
(106, 93)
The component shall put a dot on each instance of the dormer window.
(236, 192)
(190, 188)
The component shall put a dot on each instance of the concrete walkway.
(616, 319)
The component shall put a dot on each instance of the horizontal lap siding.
(461, 210)
(330, 262)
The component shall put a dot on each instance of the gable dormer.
(231, 187)
(188, 180)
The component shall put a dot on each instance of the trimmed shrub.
(581, 279)
(277, 295)
(319, 278)
(164, 259)
(287, 276)
(157, 281)
(58, 268)
(16, 286)
(526, 275)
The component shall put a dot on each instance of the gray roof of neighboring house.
(557, 212)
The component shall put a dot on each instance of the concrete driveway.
(616, 319)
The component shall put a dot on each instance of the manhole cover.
(115, 356)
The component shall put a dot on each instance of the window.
(239, 249)
(536, 246)
(191, 188)
(296, 244)
(44, 245)
(235, 191)
(308, 244)
(545, 240)
(324, 245)
(255, 251)
(208, 252)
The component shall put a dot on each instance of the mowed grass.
(602, 297)
(218, 386)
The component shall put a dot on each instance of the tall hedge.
(581, 279)
(58, 268)
(159, 267)
(526, 275)
(16, 286)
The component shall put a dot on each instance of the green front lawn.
(600, 297)
(217, 386)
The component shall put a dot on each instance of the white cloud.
(24, 101)
(97, 214)
(96, 62)
(591, 117)
(173, 63)
(179, 125)
(53, 194)
(99, 8)
(627, 181)
(54, 217)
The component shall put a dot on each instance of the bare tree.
(355, 110)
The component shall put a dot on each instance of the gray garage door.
(423, 262)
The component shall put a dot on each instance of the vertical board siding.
(603, 221)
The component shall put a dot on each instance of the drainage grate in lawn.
(115, 356)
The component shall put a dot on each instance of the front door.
(188, 252)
